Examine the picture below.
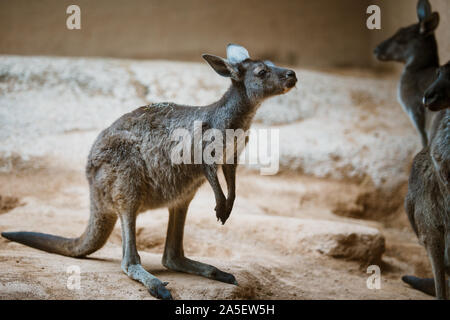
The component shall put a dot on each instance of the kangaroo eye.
(262, 73)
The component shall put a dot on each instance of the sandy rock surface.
(307, 233)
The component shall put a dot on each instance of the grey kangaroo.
(129, 170)
(415, 46)
(427, 203)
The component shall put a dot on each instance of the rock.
(8, 203)
(344, 240)
(336, 239)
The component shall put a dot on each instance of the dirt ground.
(55, 200)
(308, 232)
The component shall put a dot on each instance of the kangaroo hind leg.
(131, 262)
(174, 258)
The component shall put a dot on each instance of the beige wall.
(319, 33)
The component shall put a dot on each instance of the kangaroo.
(129, 170)
(416, 47)
(427, 203)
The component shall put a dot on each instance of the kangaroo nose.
(378, 53)
(290, 74)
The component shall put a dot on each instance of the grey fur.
(427, 203)
(129, 171)
(415, 46)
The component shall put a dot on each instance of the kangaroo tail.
(97, 232)
(426, 285)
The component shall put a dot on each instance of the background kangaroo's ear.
(236, 53)
(430, 23)
(423, 9)
(221, 66)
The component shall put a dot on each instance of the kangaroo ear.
(423, 9)
(430, 23)
(236, 53)
(221, 66)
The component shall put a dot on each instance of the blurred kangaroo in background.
(415, 46)
(428, 200)
(130, 170)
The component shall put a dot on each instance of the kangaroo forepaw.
(222, 213)
(222, 218)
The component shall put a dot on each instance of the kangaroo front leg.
(221, 206)
(418, 119)
(131, 262)
(435, 251)
(174, 258)
(229, 171)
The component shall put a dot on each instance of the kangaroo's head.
(261, 79)
(437, 96)
(412, 42)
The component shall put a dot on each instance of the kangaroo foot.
(426, 285)
(184, 264)
(154, 285)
